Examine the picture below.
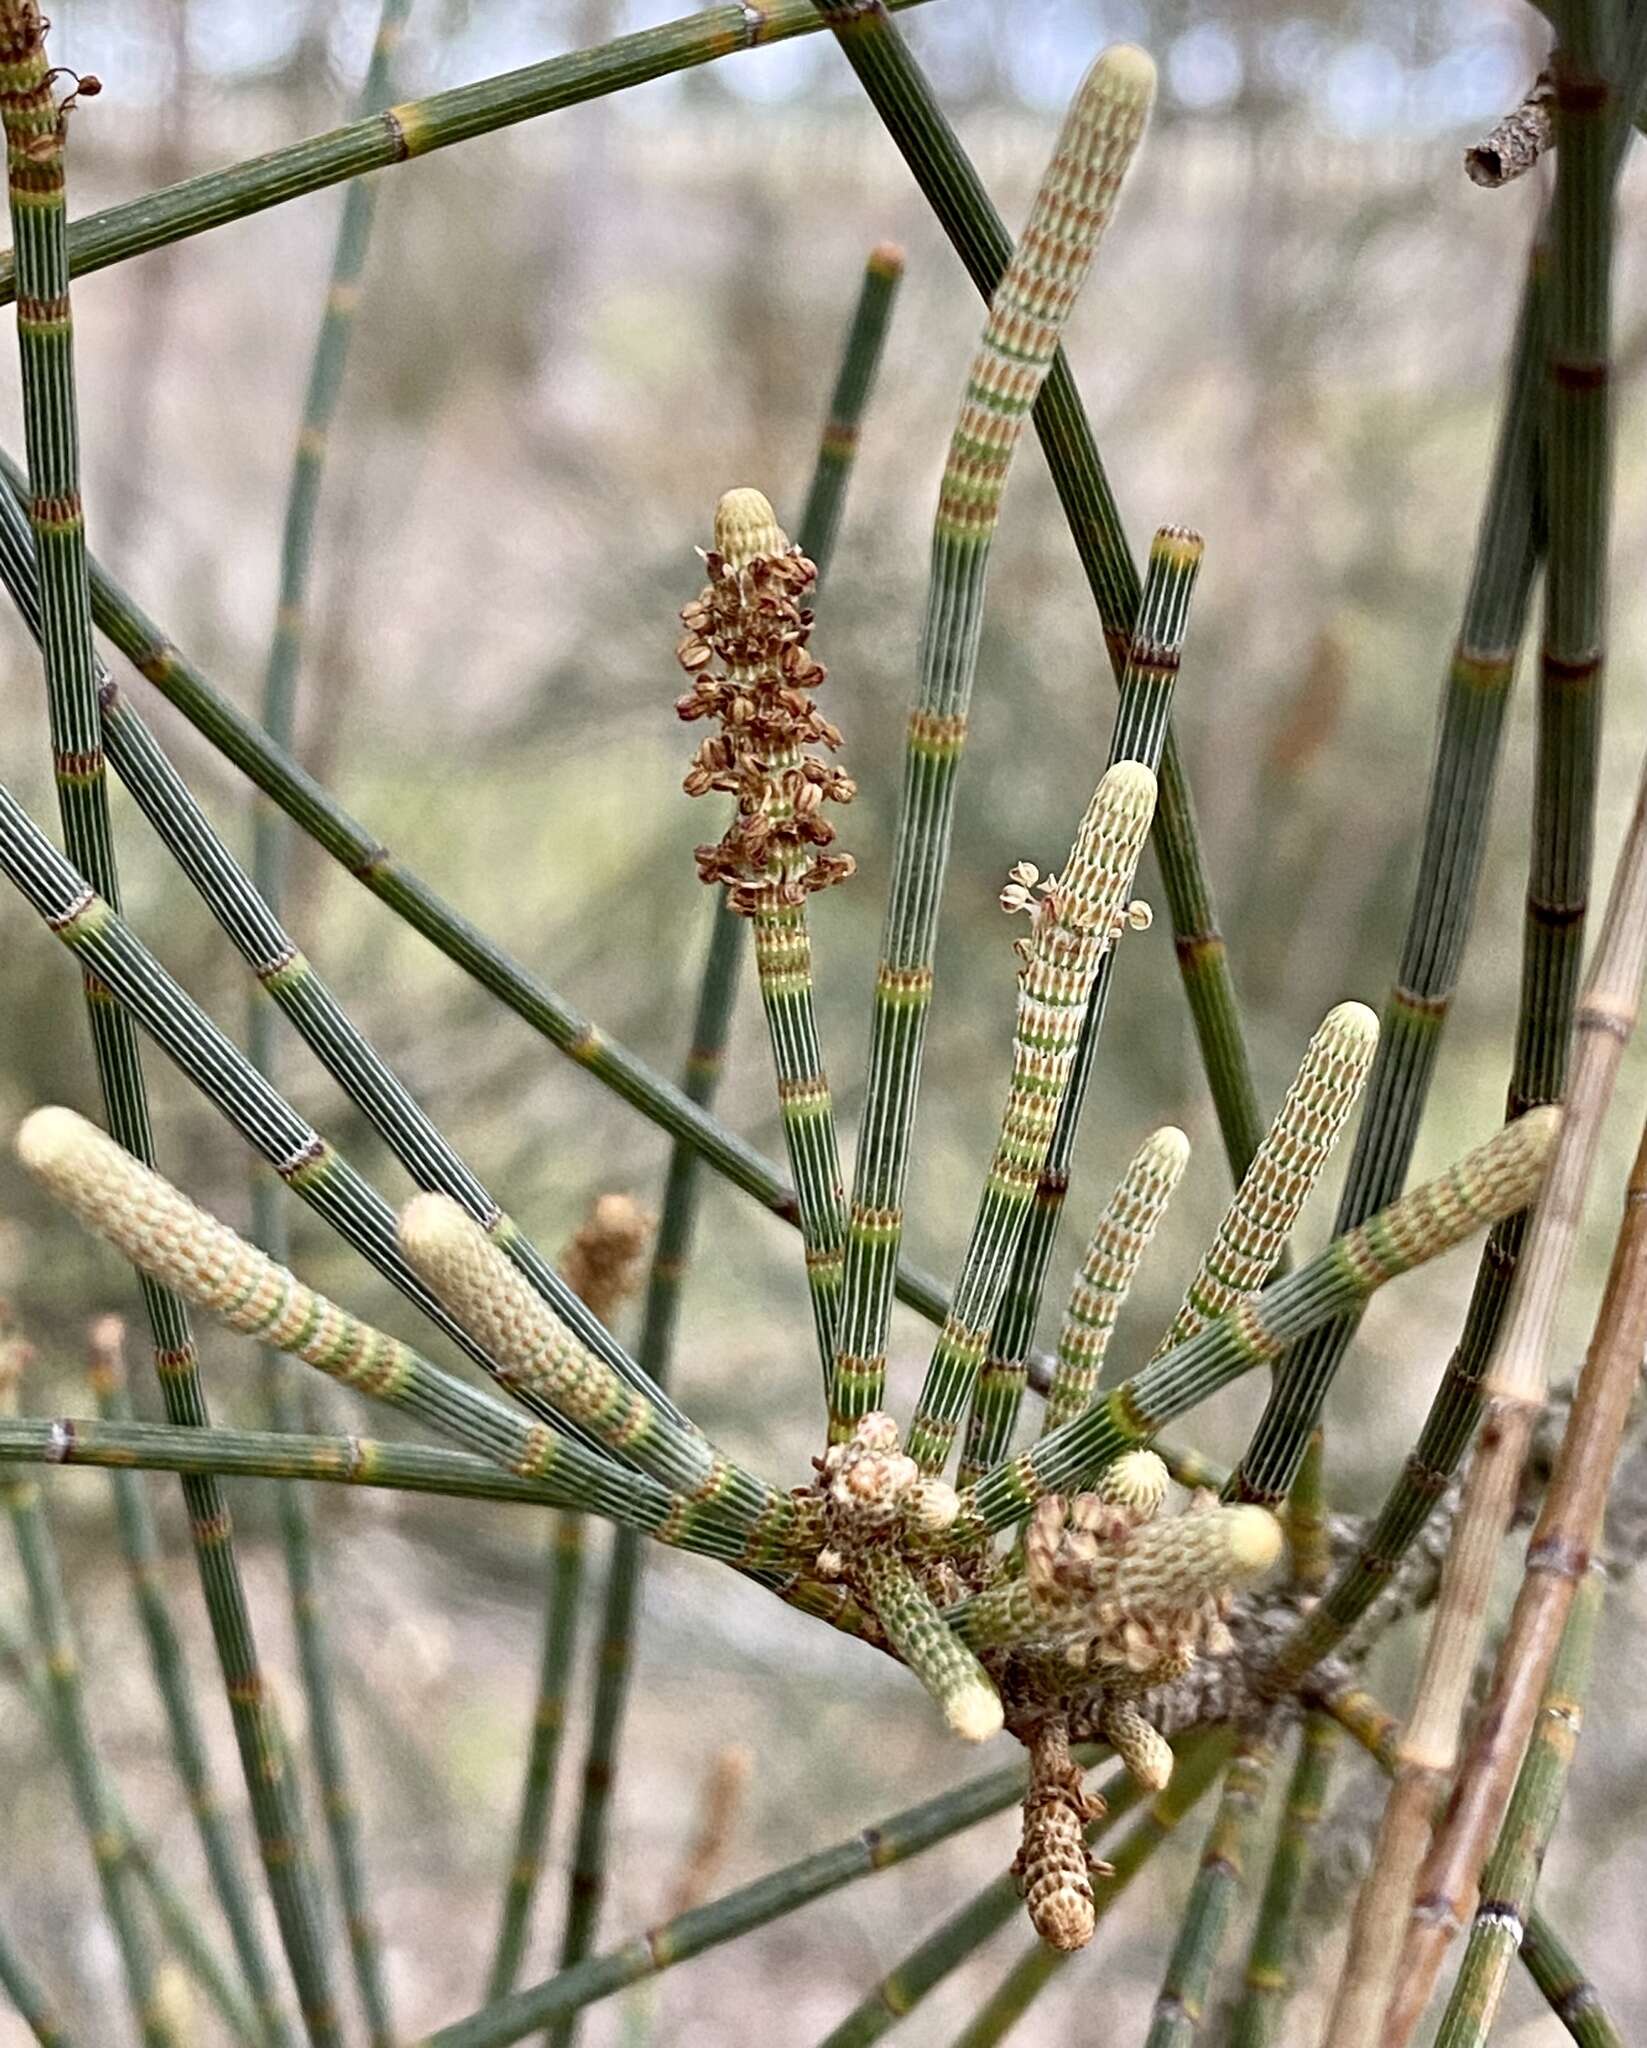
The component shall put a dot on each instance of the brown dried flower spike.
(745, 650)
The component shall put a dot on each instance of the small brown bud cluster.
(871, 1486)
(1053, 1867)
(745, 648)
(602, 1263)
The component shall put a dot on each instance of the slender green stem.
(1182, 2005)
(700, 1078)
(962, 1934)
(177, 1917)
(905, 102)
(1570, 1995)
(160, 1231)
(737, 1912)
(1495, 1179)
(288, 977)
(140, 1542)
(45, 337)
(1199, 1764)
(1511, 1872)
(34, 2008)
(326, 1460)
(1261, 2015)
(84, 922)
(77, 1746)
(1026, 314)
(854, 380)
(1074, 927)
(418, 127)
(1147, 683)
(369, 861)
(280, 682)
(560, 1623)
(1541, 1055)
(1551, 460)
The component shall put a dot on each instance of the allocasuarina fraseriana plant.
(1048, 1589)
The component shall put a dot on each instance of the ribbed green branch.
(365, 857)
(906, 104)
(1494, 1180)
(46, 339)
(752, 1905)
(418, 127)
(71, 1724)
(140, 1541)
(1147, 684)
(280, 681)
(1026, 316)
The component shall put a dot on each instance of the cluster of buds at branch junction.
(871, 1488)
(745, 649)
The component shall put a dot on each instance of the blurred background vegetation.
(574, 335)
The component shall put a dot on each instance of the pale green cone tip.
(746, 527)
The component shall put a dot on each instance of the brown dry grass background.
(573, 336)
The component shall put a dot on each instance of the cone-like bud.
(496, 1304)
(746, 650)
(1126, 1594)
(165, 1235)
(1285, 1168)
(1095, 146)
(1101, 1287)
(602, 1264)
(1494, 1180)
(1136, 1481)
(1053, 1868)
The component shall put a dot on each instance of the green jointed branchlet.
(415, 128)
(838, 446)
(1494, 1180)
(1498, 1179)
(746, 651)
(1254, 1229)
(140, 1541)
(1261, 2015)
(88, 1782)
(1027, 314)
(1181, 2006)
(537, 1354)
(176, 1917)
(310, 1619)
(560, 1623)
(1074, 922)
(165, 1235)
(1100, 1288)
(699, 1080)
(290, 979)
(35, 134)
(958, 1683)
(1147, 681)
(1508, 525)
(34, 2008)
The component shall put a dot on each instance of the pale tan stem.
(1558, 1555)
(1515, 1383)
